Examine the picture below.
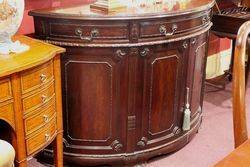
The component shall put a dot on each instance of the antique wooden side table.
(30, 99)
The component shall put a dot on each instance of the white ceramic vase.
(11, 15)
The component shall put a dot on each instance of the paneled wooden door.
(95, 100)
(163, 93)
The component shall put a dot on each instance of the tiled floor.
(214, 140)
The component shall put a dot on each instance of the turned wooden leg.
(58, 143)
(58, 150)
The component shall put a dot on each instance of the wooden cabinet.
(125, 79)
(30, 99)
(94, 98)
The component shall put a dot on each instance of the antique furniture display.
(30, 99)
(241, 155)
(227, 20)
(132, 80)
(229, 17)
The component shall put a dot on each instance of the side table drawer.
(40, 139)
(40, 118)
(5, 90)
(38, 99)
(36, 77)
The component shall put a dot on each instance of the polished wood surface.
(83, 12)
(239, 106)
(241, 155)
(30, 100)
(39, 53)
(125, 79)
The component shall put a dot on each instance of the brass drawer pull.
(46, 118)
(205, 19)
(44, 98)
(47, 137)
(163, 30)
(93, 33)
(43, 78)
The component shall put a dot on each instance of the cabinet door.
(94, 96)
(196, 74)
(164, 83)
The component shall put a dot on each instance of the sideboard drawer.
(39, 139)
(89, 33)
(38, 99)
(37, 77)
(5, 90)
(7, 112)
(161, 28)
(36, 121)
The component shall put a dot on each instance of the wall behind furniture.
(27, 26)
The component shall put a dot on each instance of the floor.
(214, 140)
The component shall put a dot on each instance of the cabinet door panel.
(90, 98)
(162, 93)
(93, 100)
(163, 75)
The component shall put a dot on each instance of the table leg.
(58, 150)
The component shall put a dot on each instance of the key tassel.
(187, 114)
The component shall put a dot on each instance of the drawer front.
(38, 99)
(161, 28)
(7, 113)
(33, 79)
(5, 89)
(41, 138)
(89, 33)
(40, 118)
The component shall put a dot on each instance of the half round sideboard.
(125, 78)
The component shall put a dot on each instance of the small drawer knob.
(43, 78)
(44, 98)
(47, 137)
(46, 118)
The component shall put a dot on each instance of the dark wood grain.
(124, 91)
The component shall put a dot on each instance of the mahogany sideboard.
(126, 76)
(30, 99)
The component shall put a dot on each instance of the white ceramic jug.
(11, 15)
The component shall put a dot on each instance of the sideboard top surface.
(83, 11)
(38, 53)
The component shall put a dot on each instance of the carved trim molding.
(134, 32)
(176, 130)
(116, 145)
(143, 142)
(131, 122)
